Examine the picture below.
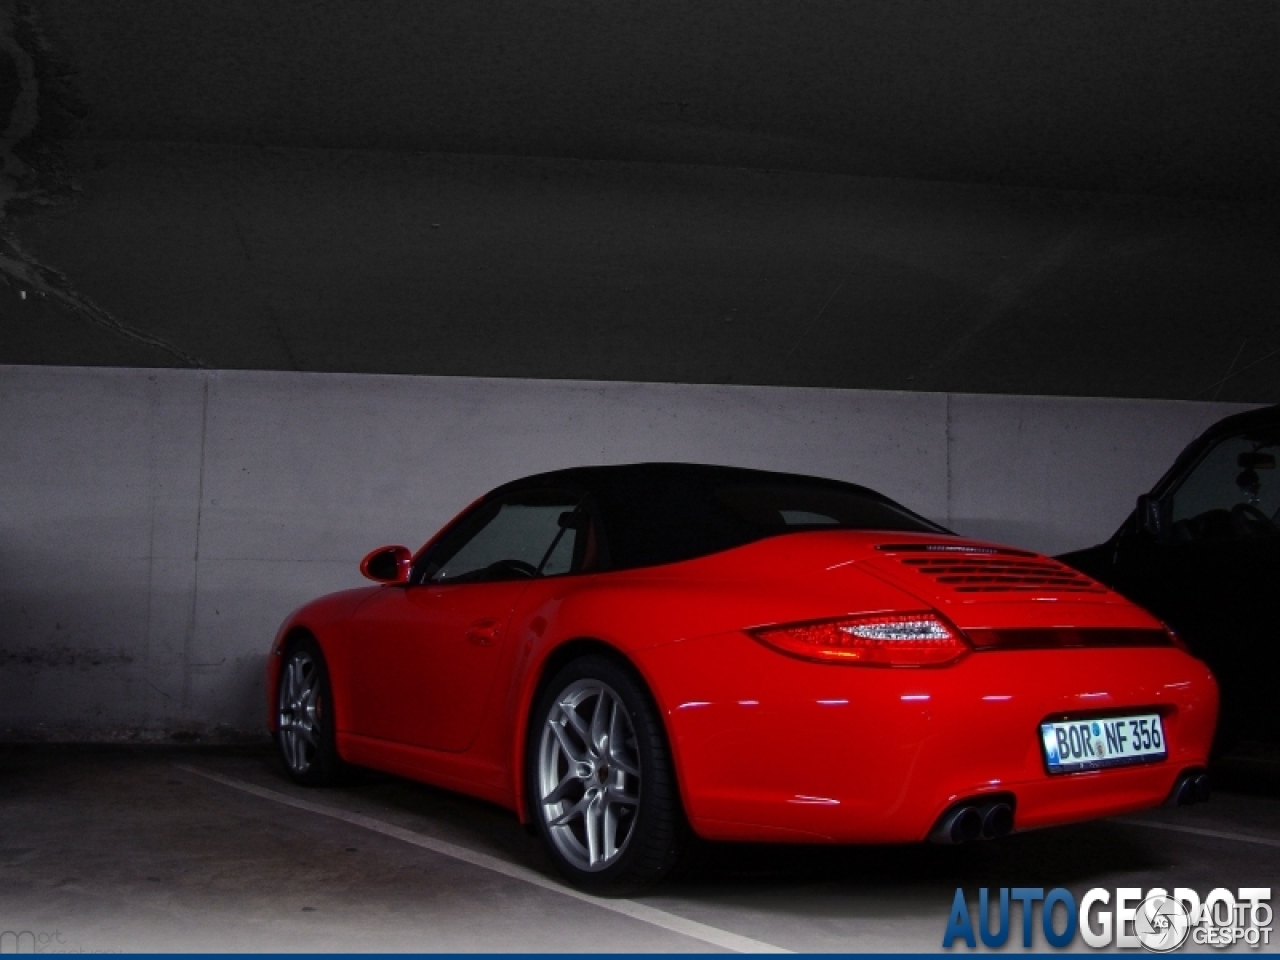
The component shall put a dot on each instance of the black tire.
(304, 716)
(650, 834)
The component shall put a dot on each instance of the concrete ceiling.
(1176, 97)
(1008, 197)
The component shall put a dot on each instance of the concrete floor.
(151, 848)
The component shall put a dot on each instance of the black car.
(1202, 552)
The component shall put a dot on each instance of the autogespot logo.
(1126, 918)
(30, 941)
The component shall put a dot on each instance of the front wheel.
(304, 716)
(600, 781)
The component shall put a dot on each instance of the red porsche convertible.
(626, 654)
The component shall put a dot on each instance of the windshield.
(1234, 491)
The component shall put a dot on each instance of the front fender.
(320, 619)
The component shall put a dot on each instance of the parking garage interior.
(283, 283)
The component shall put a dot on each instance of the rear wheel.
(304, 716)
(599, 778)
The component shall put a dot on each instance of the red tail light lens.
(877, 640)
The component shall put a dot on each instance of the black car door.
(1208, 564)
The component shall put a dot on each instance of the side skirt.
(452, 771)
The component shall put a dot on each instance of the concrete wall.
(156, 525)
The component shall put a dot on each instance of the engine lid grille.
(975, 569)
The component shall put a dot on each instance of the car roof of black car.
(1249, 418)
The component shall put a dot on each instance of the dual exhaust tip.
(973, 820)
(1191, 787)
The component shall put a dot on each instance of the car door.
(1211, 570)
(425, 655)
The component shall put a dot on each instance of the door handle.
(484, 633)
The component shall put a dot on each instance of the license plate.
(1071, 745)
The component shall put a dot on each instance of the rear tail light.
(878, 640)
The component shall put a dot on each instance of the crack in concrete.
(1004, 293)
(20, 182)
(23, 272)
(24, 113)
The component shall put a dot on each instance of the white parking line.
(629, 908)
(1200, 831)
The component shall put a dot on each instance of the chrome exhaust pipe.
(1191, 787)
(997, 820)
(1184, 792)
(960, 825)
(1202, 788)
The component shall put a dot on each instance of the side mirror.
(1152, 517)
(388, 565)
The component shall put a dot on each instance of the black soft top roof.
(654, 513)
(599, 477)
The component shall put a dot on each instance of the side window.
(517, 537)
(1232, 492)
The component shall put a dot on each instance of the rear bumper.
(772, 748)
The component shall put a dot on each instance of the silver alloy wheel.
(299, 705)
(589, 775)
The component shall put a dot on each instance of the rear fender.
(629, 614)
